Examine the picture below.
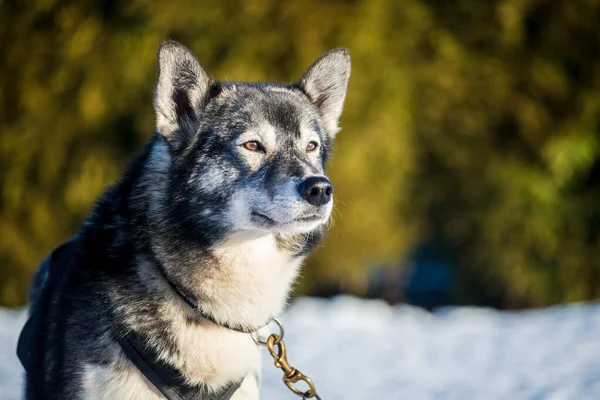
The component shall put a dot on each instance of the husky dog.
(197, 245)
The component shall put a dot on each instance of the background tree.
(474, 124)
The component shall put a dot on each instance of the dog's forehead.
(282, 109)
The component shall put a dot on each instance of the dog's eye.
(312, 146)
(252, 145)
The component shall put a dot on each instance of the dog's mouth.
(263, 219)
(312, 218)
(268, 222)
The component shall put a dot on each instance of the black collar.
(181, 293)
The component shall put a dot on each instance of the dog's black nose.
(316, 190)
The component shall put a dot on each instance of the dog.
(195, 247)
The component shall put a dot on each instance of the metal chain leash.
(291, 375)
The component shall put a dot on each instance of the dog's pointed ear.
(326, 82)
(181, 86)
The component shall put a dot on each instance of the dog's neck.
(233, 251)
(243, 281)
(254, 282)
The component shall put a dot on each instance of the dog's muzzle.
(317, 190)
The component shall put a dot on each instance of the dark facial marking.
(285, 118)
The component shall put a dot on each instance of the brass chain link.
(291, 375)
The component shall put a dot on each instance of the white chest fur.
(252, 280)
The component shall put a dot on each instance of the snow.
(11, 372)
(365, 349)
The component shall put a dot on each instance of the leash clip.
(291, 375)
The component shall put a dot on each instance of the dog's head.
(248, 156)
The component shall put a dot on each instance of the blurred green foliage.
(473, 123)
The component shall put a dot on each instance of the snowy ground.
(356, 349)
